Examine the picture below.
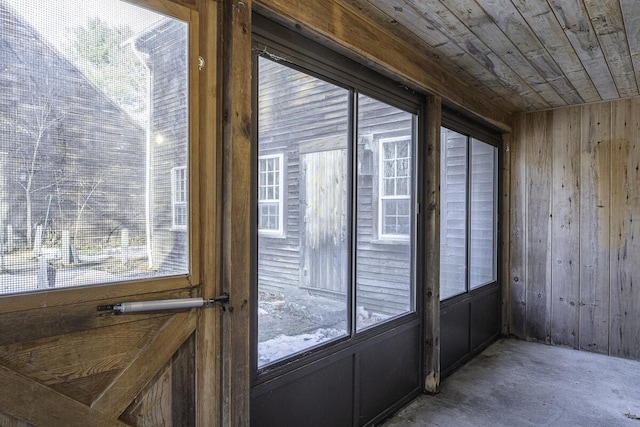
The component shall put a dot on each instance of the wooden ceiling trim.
(342, 25)
(631, 14)
(513, 25)
(606, 18)
(576, 24)
(540, 18)
(445, 21)
(443, 48)
(37, 404)
(117, 397)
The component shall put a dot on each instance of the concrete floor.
(515, 383)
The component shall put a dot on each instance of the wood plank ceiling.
(525, 54)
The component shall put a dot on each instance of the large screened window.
(337, 164)
(468, 216)
(93, 144)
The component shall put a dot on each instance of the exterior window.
(94, 142)
(179, 197)
(395, 187)
(468, 217)
(270, 215)
(311, 289)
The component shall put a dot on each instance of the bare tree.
(35, 120)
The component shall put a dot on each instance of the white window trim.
(381, 198)
(174, 194)
(280, 200)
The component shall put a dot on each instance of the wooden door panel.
(98, 370)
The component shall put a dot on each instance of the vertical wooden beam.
(517, 277)
(565, 227)
(236, 267)
(209, 329)
(432, 247)
(505, 230)
(595, 209)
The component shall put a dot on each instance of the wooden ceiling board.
(606, 18)
(443, 49)
(530, 54)
(631, 16)
(547, 29)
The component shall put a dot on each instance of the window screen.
(93, 144)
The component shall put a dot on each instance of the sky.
(56, 19)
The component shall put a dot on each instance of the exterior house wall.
(81, 133)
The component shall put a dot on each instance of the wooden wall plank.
(565, 227)
(124, 388)
(517, 277)
(9, 421)
(538, 225)
(595, 207)
(625, 229)
(358, 36)
(237, 198)
(575, 21)
(432, 245)
(608, 24)
(27, 400)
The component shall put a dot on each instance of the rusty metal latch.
(162, 305)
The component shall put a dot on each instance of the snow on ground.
(285, 345)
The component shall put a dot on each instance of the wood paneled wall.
(575, 227)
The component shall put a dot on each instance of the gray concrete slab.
(517, 383)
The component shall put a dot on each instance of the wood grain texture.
(454, 26)
(625, 229)
(36, 404)
(575, 21)
(443, 48)
(237, 227)
(509, 20)
(151, 358)
(504, 191)
(608, 23)
(631, 18)
(208, 367)
(368, 41)
(565, 227)
(80, 364)
(169, 399)
(517, 277)
(432, 262)
(595, 208)
(546, 28)
(9, 421)
(538, 225)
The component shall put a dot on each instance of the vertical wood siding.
(574, 251)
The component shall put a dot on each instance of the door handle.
(162, 305)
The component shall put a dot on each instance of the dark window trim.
(281, 44)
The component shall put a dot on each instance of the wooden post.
(432, 248)
(37, 243)
(66, 256)
(10, 246)
(237, 196)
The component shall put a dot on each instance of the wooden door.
(324, 243)
(64, 363)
